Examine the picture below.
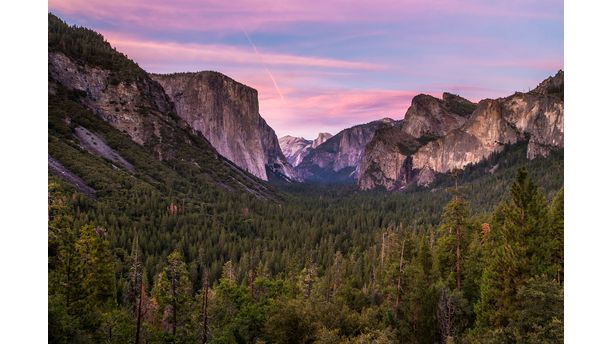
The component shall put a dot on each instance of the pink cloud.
(210, 15)
(158, 52)
(305, 93)
(331, 109)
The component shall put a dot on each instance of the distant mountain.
(427, 118)
(296, 148)
(337, 159)
(321, 138)
(206, 125)
(104, 108)
(226, 112)
(442, 135)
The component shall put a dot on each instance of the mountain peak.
(553, 85)
(294, 148)
(226, 112)
(321, 138)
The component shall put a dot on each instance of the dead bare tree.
(205, 284)
(446, 315)
(139, 313)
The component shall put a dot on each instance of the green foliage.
(88, 46)
(172, 293)
(96, 268)
(297, 263)
(519, 251)
(455, 233)
(316, 282)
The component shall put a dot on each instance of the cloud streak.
(280, 94)
(157, 51)
(229, 16)
(324, 65)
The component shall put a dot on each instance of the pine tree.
(172, 292)
(96, 266)
(455, 233)
(517, 253)
(136, 293)
(63, 257)
(203, 298)
(555, 241)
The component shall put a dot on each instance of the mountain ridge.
(296, 148)
(442, 141)
(338, 158)
(87, 77)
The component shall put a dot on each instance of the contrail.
(280, 94)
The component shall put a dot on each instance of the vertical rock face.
(89, 81)
(428, 116)
(296, 148)
(339, 157)
(438, 136)
(138, 107)
(387, 159)
(536, 116)
(384, 160)
(227, 114)
(321, 138)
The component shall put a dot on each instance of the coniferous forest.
(165, 255)
(323, 266)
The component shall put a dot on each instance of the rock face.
(384, 160)
(87, 76)
(387, 157)
(138, 107)
(339, 157)
(441, 136)
(226, 112)
(296, 148)
(536, 116)
(95, 145)
(431, 117)
(321, 138)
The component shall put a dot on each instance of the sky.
(324, 65)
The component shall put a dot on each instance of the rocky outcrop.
(439, 136)
(321, 138)
(339, 157)
(384, 160)
(387, 161)
(112, 108)
(97, 146)
(137, 107)
(296, 148)
(62, 172)
(428, 116)
(226, 112)
(536, 116)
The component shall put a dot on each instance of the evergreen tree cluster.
(167, 254)
(469, 277)
(91, 48)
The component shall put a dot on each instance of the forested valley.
(184, 247)
(321, 265)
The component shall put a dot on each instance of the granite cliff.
(226, 112)
(439, 136)
(536, 116)
(296, 148)
(386, 160)
(97, 93)
(339, 157)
